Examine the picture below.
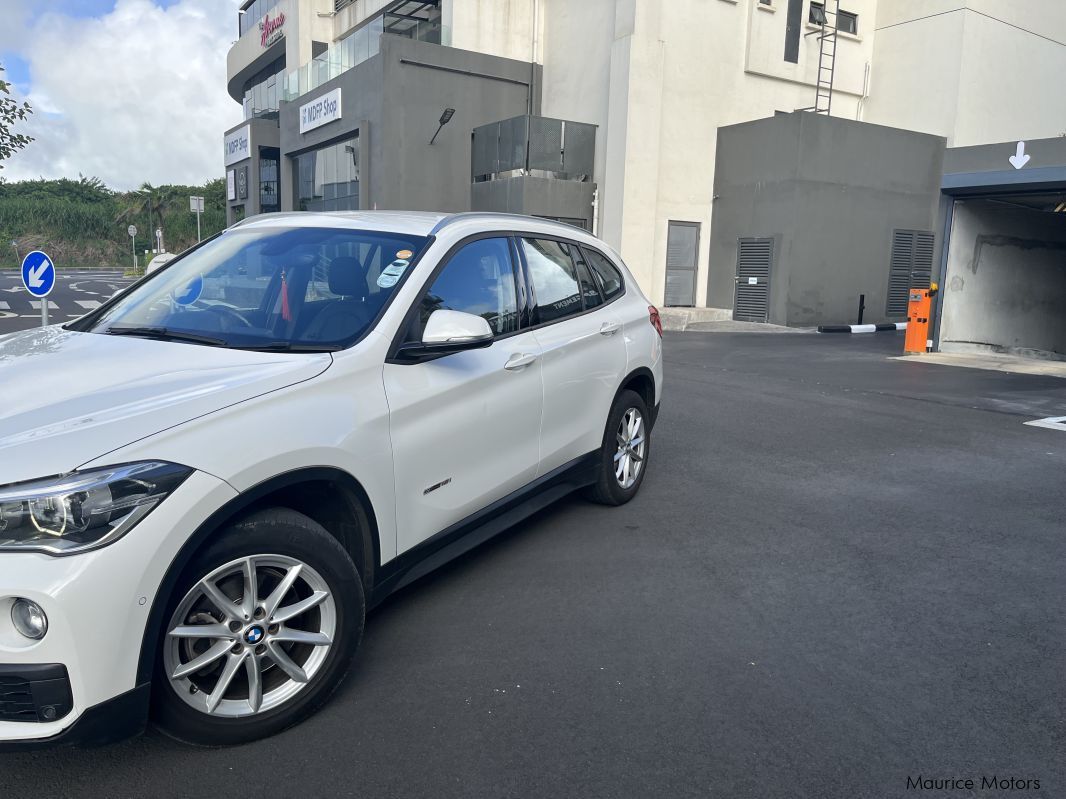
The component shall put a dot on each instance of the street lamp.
(445, 118)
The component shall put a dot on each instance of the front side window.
(267, 288)
(479, 280)
(554, 278)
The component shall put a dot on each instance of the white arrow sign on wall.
(1019, 159)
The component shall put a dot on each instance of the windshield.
(275, 288)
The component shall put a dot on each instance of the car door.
(582, 349)
(465, 427)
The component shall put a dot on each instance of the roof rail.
(459, 217)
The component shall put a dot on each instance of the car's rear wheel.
(259, 632)
(624, 454)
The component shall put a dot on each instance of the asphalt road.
(842, 571)
(76, 292)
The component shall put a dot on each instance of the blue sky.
(111, 83)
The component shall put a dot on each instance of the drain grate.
(1051, 422)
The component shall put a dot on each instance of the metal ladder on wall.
(827, 56)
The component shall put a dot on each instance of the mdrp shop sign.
(320, 111)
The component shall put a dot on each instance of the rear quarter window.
(610, 279)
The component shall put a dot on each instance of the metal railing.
(532, 145)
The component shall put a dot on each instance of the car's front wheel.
(259, 632)
(623, 457)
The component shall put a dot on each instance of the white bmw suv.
(206, 482)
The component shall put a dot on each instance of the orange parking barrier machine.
(919, 311)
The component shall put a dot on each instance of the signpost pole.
(132, 230)
(44, 312)
(196, 205)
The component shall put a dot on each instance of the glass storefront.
(327, 179)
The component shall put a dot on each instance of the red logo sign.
(270, 29)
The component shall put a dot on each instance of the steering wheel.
(226, 312)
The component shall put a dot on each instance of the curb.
(882, 328)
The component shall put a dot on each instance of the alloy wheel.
(632, 445)
(249, 636)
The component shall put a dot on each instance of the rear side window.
(590, 292)
(554, 278)
(609, 277)
(478, 279)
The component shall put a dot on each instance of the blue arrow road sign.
(38, 274)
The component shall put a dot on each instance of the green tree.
(10, 113)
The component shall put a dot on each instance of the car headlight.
(83, 510)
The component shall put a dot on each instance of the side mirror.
(447, 332)
(458, 328)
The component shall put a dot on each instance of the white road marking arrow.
(35, 275)
(1019, 159)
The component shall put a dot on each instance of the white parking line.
(51, 305)
(4, 306)
(1051, 422)
(88, 304)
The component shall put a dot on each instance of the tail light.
(656, 322)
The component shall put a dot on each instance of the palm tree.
(148, 202)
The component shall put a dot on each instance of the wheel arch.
(642, 381)
(347, 514)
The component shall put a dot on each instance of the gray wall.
(536, 196)
(395, 100)
(829, 192)
(1005, 286)
(361, 98)
(421, 80)
(262, 133)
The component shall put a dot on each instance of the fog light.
(29, 619)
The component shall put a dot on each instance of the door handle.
(519, 360)
(609, 328)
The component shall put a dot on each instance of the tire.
(317, 642)
(609, 488)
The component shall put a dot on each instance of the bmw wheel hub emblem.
(254, 635)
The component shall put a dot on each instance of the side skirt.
(479, 527)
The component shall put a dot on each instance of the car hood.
(67, 398)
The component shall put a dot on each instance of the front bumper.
(98, 605)
(115, 720)
(35, 693)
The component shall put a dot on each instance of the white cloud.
(138, 94)
(15, 14)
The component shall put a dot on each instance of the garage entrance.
(1002, 269)
(1005, 283)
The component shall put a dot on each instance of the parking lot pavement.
(76, 292)
(842, 571)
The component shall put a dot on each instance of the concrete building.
(807, 212)
(651, 83)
